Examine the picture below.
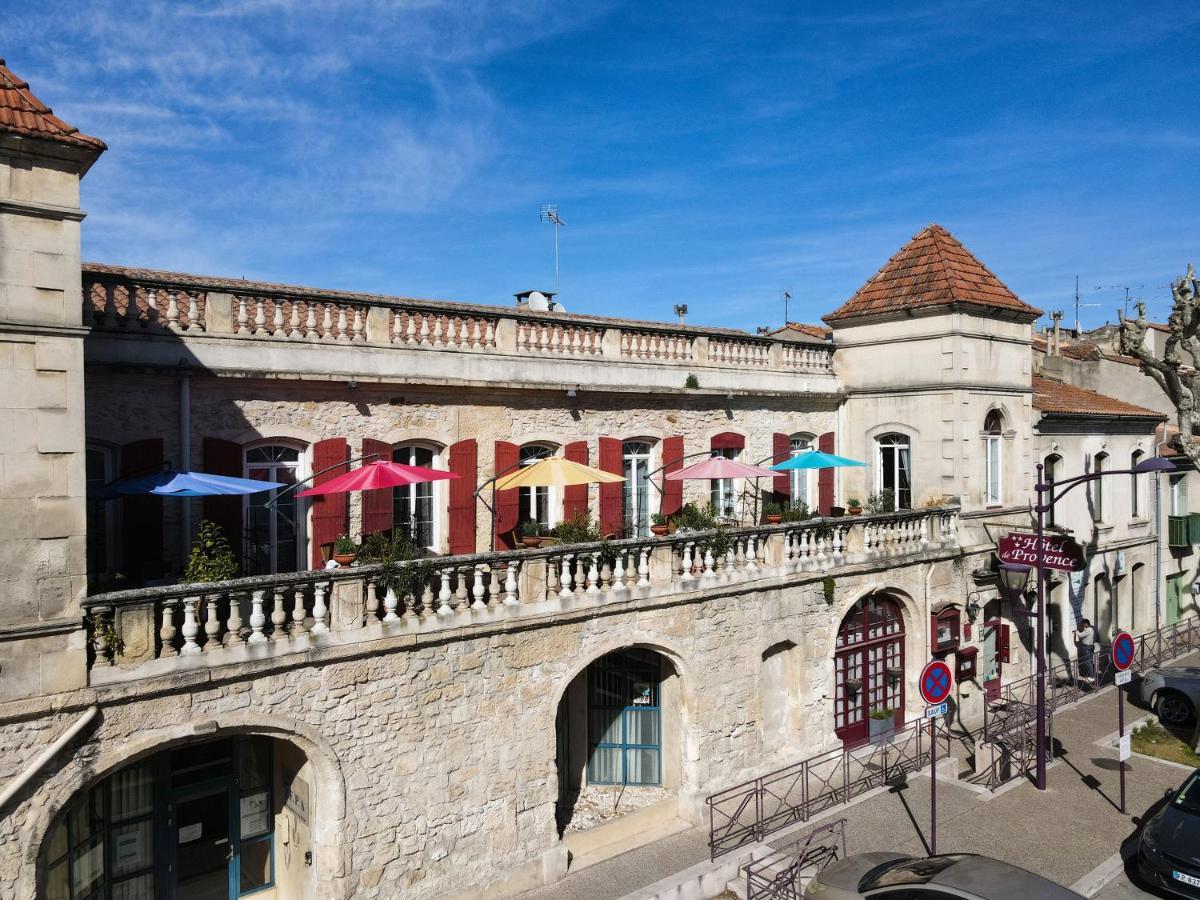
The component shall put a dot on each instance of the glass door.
(272, 531)
(204, 848)
(992, 665)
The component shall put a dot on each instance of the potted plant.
(345, 551)
(882, 724)
(854, 506)
(531, 534)
(883, 502)
(774, 513)
(659, 524)
(210, 559)
(836, 512)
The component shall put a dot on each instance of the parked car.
(895, 876)
(1173, 692)
(1169, 844)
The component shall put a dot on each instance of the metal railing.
(784, 874)
(748, 812)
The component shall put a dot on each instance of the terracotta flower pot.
(774, 520)
(855, 510)
(344, 559)
(659, 530)
(531, 540)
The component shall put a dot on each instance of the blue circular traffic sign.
(935, 682)
(1122, 650)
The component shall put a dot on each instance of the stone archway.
(869, 665)
(278, 791)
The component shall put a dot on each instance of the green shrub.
(883, 502)
(797, 511)
(210, 559)
(579, 529)
(773, 509)
(344, 545)
(530, 528)
(695, 518)
(884, 713)
(691, 382)
(828, 585)
(658, 519)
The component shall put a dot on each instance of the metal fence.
(748, 812)
(784, 874)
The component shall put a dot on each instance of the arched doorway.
(868, 666)
(224, 819)
(617, 738)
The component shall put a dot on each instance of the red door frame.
(991, 688)
(855, 653)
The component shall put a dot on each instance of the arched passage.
(220, 818)
(618, 737)
(868, 665)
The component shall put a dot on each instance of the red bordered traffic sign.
(935, 682)
(1122, 651)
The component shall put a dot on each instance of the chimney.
(681, 311)
(1056, 317)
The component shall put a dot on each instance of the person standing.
(1085, 642)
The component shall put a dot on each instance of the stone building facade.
(313, 732)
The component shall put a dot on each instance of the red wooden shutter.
(728, 440)
(225, 458)
(376, 505)
(508, 503)
(825, 476)
(1002, 639)
(782, 450)
(330, 511)
(575, 496)
(142, 517)
(611, 513)
(464, 462)
(672, 491)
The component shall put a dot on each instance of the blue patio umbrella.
(185, 484)
(815, 459)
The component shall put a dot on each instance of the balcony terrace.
(160, 630)
(301, 332)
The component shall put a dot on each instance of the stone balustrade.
(151, 630)
(191, 307)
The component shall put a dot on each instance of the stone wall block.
(218, 313)
(58, 431)
(506, 335)
(531, 581)
(347, 605)
(57, 517)
(137, 627)
(379, 324)
(662, 562)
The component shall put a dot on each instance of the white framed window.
(1135, 485)
(536, 504)
(416, 506)
(101, 514)
(723, 491)
(275, 536)
(636, 498)
(1049, 473)
(801, 488)
(1179, 495)
(1099, 464)
(993, 459)
(893, 468)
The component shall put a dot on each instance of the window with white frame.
(1099, 464)
(534, 502)
(893, 468)
(274, 533)
(993, 449)
(636, 498)
(1179, 495)
(414, 506)
(1135, 485)
(1049, 473)
(722, 494)
(800, 481)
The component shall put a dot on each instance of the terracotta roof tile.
(933, 269)
(820, 332)
(1054, 397)
(24, 114)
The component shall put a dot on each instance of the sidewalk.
(1062, 833)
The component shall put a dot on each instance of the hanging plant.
(828, 585)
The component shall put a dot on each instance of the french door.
(868, 666)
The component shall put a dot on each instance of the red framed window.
(947, 629)
(868, 665)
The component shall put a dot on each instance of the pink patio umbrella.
(375, 475)
(718, 467)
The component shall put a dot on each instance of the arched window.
(800, 481)
(636, 461)
(1099, 464)
(535, 501)
(274, 534)
(722, 493)
(414, 506)
(868, 666)
(1135, 485)
(993, 431)
(1049, 473)
(894, 468)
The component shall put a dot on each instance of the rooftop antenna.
(1078, 305)
(549, 213)
(786, 297)
(1127, 288)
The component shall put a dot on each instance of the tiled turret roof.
(24, 114)
(933, 269)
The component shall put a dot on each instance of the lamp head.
(1013, 578)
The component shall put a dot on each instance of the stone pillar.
(531, 585)
(379, 325)
(700, 349)
(138, 628)
(506, 335)
(218, 313)
(662, 563)
(42, 454)
(347, 605)
(610, 343)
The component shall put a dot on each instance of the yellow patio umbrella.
(554, 471)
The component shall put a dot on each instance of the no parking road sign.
(1122, 651)
(935, 682)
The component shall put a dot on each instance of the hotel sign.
(1057, 551)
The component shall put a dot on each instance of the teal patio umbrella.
(815, 459)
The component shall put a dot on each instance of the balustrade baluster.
(390, 603)
(565, 578)
(510, 583)
(619, 571)
(299, 626)
(233, 627)
(166, 633)
(477, 590)
(293, 330)
(212, 624)
(708, 562)
(320, 610)
(310, 322)
(191, 627)
(459, 600)
(102, 626)
(257, 619)
(494, 587)
(425, 602)
(278, 616)
(686, 575)
(751, 554)
(276, 318)
(357, 333)
(444, 593)
(593, 575)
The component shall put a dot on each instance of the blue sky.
(708, 154)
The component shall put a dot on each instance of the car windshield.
(1187, 797)
(908, 871)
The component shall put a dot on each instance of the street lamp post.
(1014, 577)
